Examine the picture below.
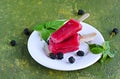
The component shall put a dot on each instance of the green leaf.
(44, 34)
(92, 45)
(107, 52)
(112, 54)
(55, 24)
(39, 27)
(103, 58)
(104, 49)
(106, 45)
(46, 29)
(96, 49)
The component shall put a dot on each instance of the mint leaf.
(54, 24)
(106, 45)
(96, 49)
(104, 57)
(112, 54)
(46, 29)
(104, 49)
(39, 27)
(45, 34)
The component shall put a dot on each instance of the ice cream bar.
(68, 29)
(68, 45)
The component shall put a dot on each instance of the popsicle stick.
(87, 37)
(85, 16)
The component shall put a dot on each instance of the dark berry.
(13, 42)
(26, 31)
(80, 12)
(80, 53)
(52, 56)
(60, 55)
(115, 30)
(71, 59)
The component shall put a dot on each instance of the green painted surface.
(15, 15)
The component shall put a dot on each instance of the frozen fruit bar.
(67, 30)
(68, 45)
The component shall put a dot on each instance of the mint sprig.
(96, 49)
(47, 28)
(103, 49)
(107, 52)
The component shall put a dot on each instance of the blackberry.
(60, 55)
(71, 59)
(80, 53)
(115, 30)
(26, 31)
(13, 42)
(52, 56)
(80, 12)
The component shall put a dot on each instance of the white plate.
(36, 50)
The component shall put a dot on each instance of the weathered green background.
(15, 15)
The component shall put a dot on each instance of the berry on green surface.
(114, 32)
(13, 42)
(80, 12)
(26, 31)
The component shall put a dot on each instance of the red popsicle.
(68, 45)
(67, 30)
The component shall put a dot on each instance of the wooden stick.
(85, 16)
(87, 37)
